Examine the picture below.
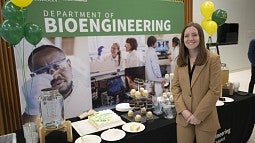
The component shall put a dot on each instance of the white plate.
(113, 134)
(89, 139)
(123, 107)
(228, 99)
(127, 127)
(219, 103)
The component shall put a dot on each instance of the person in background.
(114, 56)
(51, 69)
(196, 88)
(251, 57)
(152, 68)
(133, 59)
(115, 85)
(173, 53)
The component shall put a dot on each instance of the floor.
(243, 77)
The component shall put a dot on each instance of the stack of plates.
(219, 103)
(228, 99)
(89, 139)
(123, 107)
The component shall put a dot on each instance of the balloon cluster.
(14, 26)
(212, 18)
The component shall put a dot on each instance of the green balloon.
(14, 13)
(33, 33)
(11, 32)
(219, 16)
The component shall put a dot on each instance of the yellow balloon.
(21, 3)
(211, 27)
(204, 22)
(207, 9)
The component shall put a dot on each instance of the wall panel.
(10, 114)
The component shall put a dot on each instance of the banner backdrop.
(65, 18)
(87, 31)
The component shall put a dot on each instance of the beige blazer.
(201, 96)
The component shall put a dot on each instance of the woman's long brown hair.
(183, 51)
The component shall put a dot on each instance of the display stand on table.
(65, 127)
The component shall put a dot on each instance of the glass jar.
(150, 87)
(166, 83)
(224, 74)
(51, 108)
(158, 101)
(171, 76)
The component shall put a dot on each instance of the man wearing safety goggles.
(50, 68)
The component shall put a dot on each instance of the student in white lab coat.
(152, 68)
(133, 59)
(114, 58)
(173, 53)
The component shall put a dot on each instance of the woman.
(133, 59)
(173, 53)
(196, 88)
(114, 57)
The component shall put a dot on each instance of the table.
(236, 118)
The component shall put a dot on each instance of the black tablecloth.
(236, 118)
